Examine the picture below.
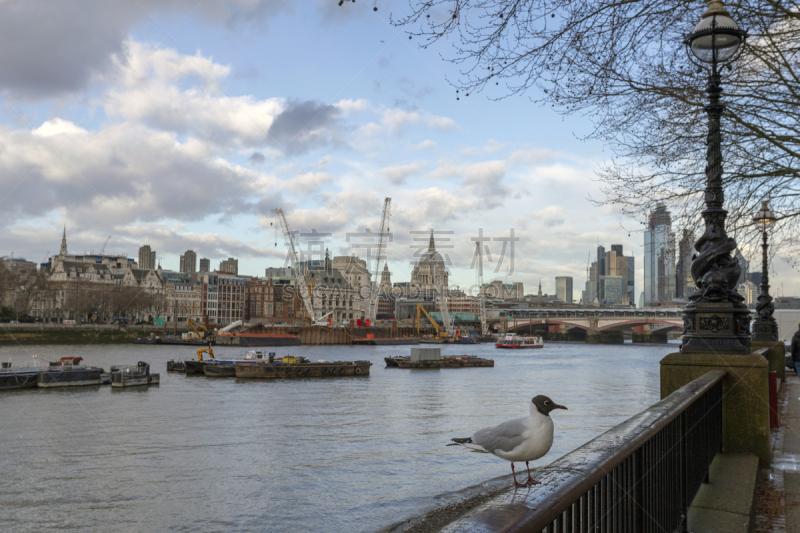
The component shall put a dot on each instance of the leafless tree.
(623, 65)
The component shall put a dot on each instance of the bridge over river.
(595, 326)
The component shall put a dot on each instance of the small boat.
(176, 366)
(132, 376)
(514, 341)
(225, 368)
(68, 372)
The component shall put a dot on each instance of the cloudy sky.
(182, 124)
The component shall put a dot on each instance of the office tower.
(631, 277)
(564, 289)
(230, 265)
(684, 284)
(147, 258)
(205, 264)
(659, 258)
(189, 262)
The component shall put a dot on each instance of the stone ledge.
(726, 503)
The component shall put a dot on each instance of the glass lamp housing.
(716, 38)
(765, 216)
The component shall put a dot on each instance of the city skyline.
(188, 143)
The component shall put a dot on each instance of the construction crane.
(373, 298)
(103, 249)
(299, 274)
(439, 333)
(200, 330)
(484, 325)
(442, 301)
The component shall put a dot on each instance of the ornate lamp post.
(766, 328)
(715, 319)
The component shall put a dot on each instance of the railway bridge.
(595, 326)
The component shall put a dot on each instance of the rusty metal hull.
(220, 370)
(444, 362)
(302, 370)
(195, 368)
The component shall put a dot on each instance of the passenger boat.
(132, 376)
(514, 341)
(68, 372)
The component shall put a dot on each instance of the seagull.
(521, 439)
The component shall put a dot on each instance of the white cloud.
(427, 144)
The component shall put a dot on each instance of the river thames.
(334, 455)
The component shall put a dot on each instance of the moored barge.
(448, 361)
(132, 376)
(395, 341)
(23, 378)
(68, 372)
(296, 368)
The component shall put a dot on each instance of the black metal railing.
(640, 476)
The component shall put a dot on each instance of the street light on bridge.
(716, 318)
(766, 328)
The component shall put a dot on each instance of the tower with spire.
(64, 242)
(540, 287)
(386, 280)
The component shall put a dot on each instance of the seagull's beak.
(561, 407)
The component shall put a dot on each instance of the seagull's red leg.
(531, 481)
(516, 483)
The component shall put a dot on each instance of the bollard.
(773, 400)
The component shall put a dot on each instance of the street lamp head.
(765, 216)
(717, 37)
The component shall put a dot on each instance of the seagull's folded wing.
(504, 437)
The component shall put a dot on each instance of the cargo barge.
(297, 368)
(397, 341)
(133, 376)
(23, 378)
(448, 361)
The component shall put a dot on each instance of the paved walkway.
(786, 454)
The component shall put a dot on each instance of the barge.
(69, 374)
(132, 376)
(23, 378)
(395, 341)
(300, 367)
(448, 361)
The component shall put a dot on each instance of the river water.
(334, 455)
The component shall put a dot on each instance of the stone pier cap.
(568, 478)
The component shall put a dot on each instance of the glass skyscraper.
(659, 258)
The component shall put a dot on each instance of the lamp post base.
(716, 328)
(765, 330)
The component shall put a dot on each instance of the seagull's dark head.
(544, 404)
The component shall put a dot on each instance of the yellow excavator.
(441, 333)
(199, 329)
(201, 351)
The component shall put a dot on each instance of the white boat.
(514, 341)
